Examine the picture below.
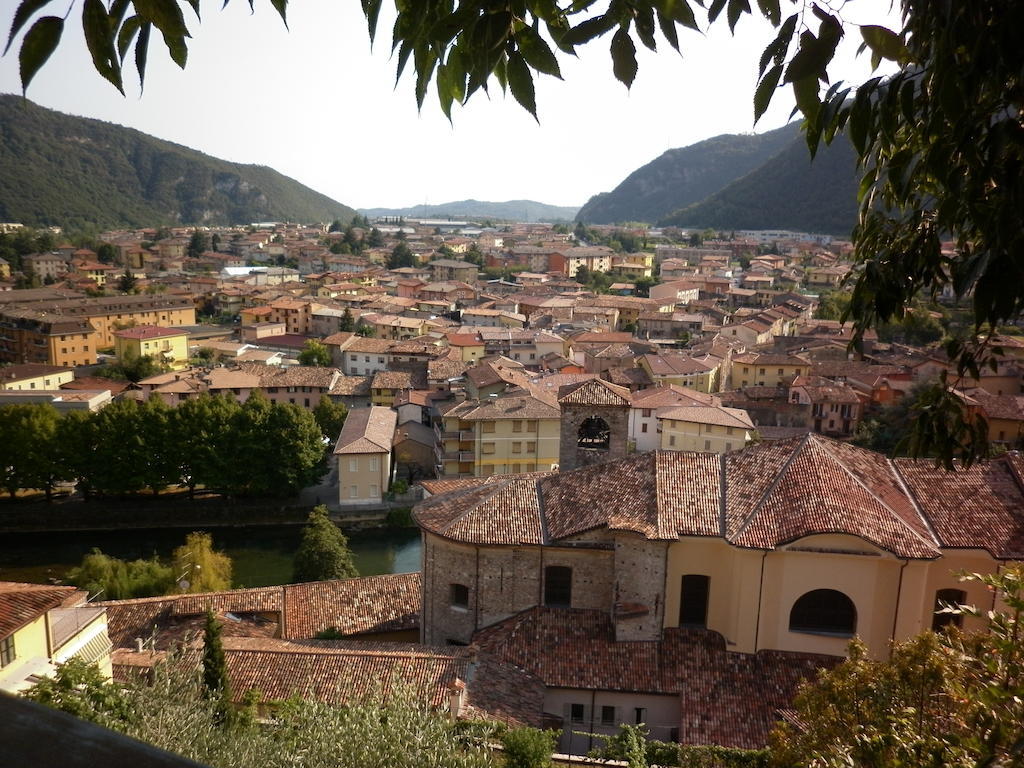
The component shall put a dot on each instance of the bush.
(399, 518)
(528, 748)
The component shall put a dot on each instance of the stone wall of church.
(639, 587)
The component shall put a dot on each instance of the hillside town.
(655, 480)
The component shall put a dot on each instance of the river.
(262, 555)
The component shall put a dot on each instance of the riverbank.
(71, 513)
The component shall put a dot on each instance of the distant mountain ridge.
(739, 182)
(510, 210)
(57, 169)
(686, 175)
(790, 191)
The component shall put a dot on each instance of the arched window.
(943, 599)
(594, 433)
(558, 586)
(824, 610)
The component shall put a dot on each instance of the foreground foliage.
(172, 713)
(950, 699)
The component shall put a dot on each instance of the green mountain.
(684, 176)
(511, 210)
(74, 172)
(787, 192)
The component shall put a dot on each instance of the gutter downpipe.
(899, 593)
(760, 592)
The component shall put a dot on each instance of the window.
(517, 447)
(374, 490)
(459, 596)
(374, 463)
(531, 447)
(353, 464)
(780, 372)
(639, 715)
(7, 652)
(607, 715)
(693, 600)
(353, 491)
(488, 426)
(643, 427)
(366, 358)
(576, 713)
(517, 426)
(825, 611)
(672, 440)
(558, 586)
(487, 448)
(517, 468)
(646, 413)
(943, 599)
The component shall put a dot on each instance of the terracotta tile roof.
(149, 332)
(397, 380)
(781, 491)
(594, 392)
(673, 394)
(774, 493)
(387, 603)
(674, 365)
(977, 508)
(352, 386)
(510, 406)
(340, 672)
(628, 377)
(23, 603)
(367, 430)
(726, 698)
(701, 414)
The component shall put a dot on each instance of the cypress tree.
(215, 668)
(324, 552)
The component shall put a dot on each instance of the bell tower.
(595, 423)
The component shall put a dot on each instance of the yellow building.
(497, 436)
(767, 369)
(700, 373)
(165, 345)
(706, 428)
(29, 376)
(41, 626)
(363, 454)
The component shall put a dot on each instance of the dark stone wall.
(571, 455)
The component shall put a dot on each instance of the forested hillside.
(788, 192)
(684, 176)
(74, 172)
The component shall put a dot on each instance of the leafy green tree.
(204, 568)
(330, 416)
(215, 242)
(28, 448)
(644, 284)
(375, 239)
(365, 330)
(81, 689)
(77, 441)
(324, 552)
(346, 323)
(202, 433)
(126, 282)
(528, 748)
(216, 685)
(315, 353)
(401, 256)
(832, 305)
(336, 226)
(116, 579)
(106, 253)
(198, 244)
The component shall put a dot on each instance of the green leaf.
(165, 15)
(884, 43)
(776, 50)
(25, 11)
(281, 6)
(371, 10)
(680, 12)
(38, 45)
(736, 9)
(806, 93)
(668, 29)
(645, 27)
(99, 37)
(520, 82)
(537, 52)
(141, 49)
(587, 30)
(770, 10)
(125, 36)
(765, 91)
(716, 8)
(623, 51)
(177, 48)
(810, 59)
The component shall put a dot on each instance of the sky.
(316, 103)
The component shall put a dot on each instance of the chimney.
(456, 697)
(138, 645)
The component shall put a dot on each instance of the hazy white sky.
(317, 105)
